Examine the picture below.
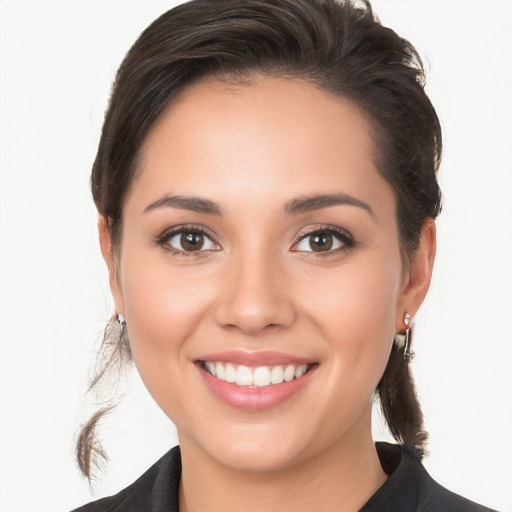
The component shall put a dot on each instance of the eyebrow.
(317, 202)
(195, 204)
(294, 207)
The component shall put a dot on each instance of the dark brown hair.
(335, 45)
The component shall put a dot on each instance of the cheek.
(362, 296)
(162, 299)
(163, 308)
(356, 312)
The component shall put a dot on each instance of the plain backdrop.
(57, 62)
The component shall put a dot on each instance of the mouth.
(255, 377)
(255, 381)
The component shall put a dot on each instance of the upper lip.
(263, 358)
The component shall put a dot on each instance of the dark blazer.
(409, 488)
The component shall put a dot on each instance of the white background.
(57, 60)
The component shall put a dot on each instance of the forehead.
(273, 138)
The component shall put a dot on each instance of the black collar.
(409, 488)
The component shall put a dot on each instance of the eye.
(323, 240)
(188, 240)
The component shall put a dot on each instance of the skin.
(252, 149)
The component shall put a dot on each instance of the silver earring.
(123, 335)
(403, 340)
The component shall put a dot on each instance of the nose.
(255, 297)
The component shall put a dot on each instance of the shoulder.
(156, 490)
(410, 488)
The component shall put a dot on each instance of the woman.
(266, 184)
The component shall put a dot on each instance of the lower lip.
(252, 398)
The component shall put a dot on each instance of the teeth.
(211, 368)
(289, 373)
(301, 370)
(230, 375)
(277, 375)
(258, 377)
(220, 373)
(261, 376)
(243, 376)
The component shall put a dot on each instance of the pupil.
(192, 241)
(322, 242)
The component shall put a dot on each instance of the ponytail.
(400, 405)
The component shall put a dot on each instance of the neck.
(340, 478)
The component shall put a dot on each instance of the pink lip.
(254, 359)
(253, 399)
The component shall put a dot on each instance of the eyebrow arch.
(195, 204)
(317, 202)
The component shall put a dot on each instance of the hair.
(337, 46)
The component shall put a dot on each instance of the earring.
(403, 340)
(123, 335)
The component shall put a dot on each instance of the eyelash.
(166, 236)
(341, 235)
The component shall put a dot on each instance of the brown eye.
(191, 241)
(323, 241)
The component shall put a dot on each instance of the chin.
(257, 457)
(251, 448)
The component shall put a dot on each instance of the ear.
(112, 264)
(418, 274)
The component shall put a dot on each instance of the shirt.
(409, 488)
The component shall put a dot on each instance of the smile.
(258, 377)
(255, 381)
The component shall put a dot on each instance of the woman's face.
(259, 242)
